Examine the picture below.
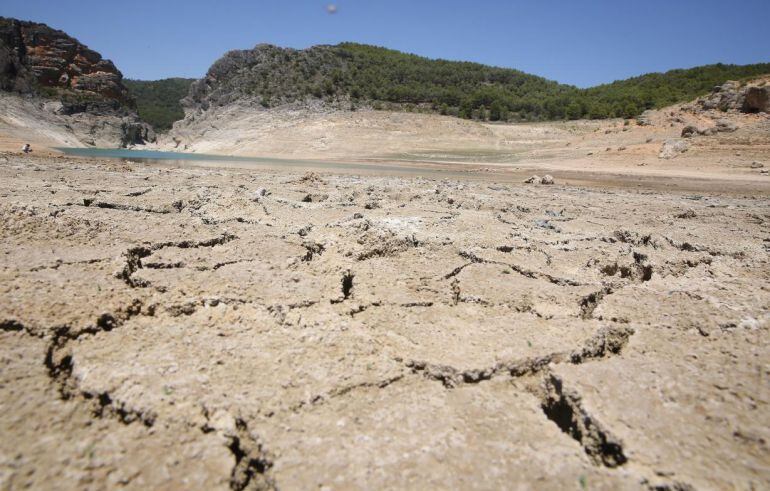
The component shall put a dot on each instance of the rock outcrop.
(752, 97)
(38, 61)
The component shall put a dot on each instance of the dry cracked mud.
(169, 328)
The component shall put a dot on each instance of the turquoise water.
(205, 160)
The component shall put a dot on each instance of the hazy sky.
(580, 42)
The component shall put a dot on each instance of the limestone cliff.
(83, 91)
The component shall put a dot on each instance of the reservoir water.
(206, 160)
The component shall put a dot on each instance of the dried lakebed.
(214, 329)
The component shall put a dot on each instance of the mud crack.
(341, 391)
(346, 287)
(564, 407)
(252, 461)
(135, 255)
(590, 302)
(59, 363)
(608, 341)
(88, 202)
(537, 275)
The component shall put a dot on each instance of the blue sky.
(580, 42)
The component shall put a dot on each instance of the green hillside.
(158, 101)
(655, 90)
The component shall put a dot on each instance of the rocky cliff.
(82, 90)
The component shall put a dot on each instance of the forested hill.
(353, 75)
(158, 101)
(629, 97)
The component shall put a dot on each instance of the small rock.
(547, 179)
(546, 224)
(687, 214)
(672, 148)
(223, 422)
(259, 193)
(311, 177)
(757, 165)
(532, 180)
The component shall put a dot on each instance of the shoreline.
(656, 179)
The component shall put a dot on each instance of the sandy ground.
(198, 328)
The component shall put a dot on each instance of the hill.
(656, 90)
(352, 75)
(158, 101)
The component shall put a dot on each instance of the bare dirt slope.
(173, 328)
(610, 148)
(27, 121)
(43, 124)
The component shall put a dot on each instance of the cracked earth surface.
(173, 328)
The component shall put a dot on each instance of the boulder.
(533, 180)
(547, 179)
(672, 148)
(689, 131)
(135, 133)
(757, 100)
(726, 126)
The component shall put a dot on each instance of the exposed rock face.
(32, 53)
(723, 97)
(253, 75)
(36, 59)
(731, 96)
